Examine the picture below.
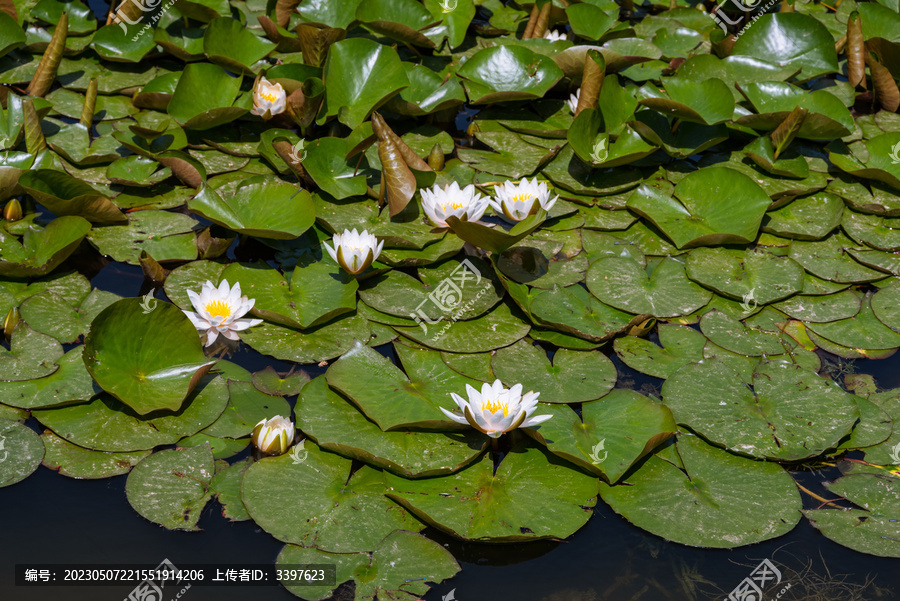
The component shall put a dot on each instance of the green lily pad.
(51, 314)
(827, 119)
(872, 529)
(41, 250)
(573, 377)
(149, 361)
(227, 486)
(497, 328)
(229, 44)
(222, 448)
(829, 259)
(716, 500)
(707, 102)
(77, 462)
(162, 235)
(508, 72)
(711, 206)
(794, 40)
(69, 384)
(882, 233)
(269, 381)
(328, 508)
(427, 92)
(680, 345)
(337, 426)
(327, 166)
(740, 338)
(870, 159)
(387, 396)
(402, 20)
(784, 412)
(31, 355)
(885, 453)
(575, 311)
(205, 97)
(807, 218)
(22, 452)
(191, 276)
(320, 343)
(663, 292)
(611, 435)
(246, 407)
(875, 426)
(822, 308)
(115, 44)
(171, 487)
(757, 273)
(529, 497)
(394, 570)
(280, 211)
(106, 424)
(66, 195)
(12, 36)
(360, 75)
(862, 331)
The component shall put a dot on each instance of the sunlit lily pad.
(41, 250)
(785, 412)
(529, 497)
(497, 328)
(328, 508)
(862, 331)
(573, 376)
(718, 500)
(764, 275)
(337, 426)
(22, 452)
(148, 360)
(320, 343)
(508, 73)
(611, 434)
(680, 345)
(164, 236)
(31, 355)
(69, 384)
(171, 487)
(77, 462)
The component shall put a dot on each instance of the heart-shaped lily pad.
(69, 384)
(148, 360)
(573, 377)
(757, 273)
(663, 292)
(680, 345)
(205, 97)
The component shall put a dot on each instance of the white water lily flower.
(573, 100)
(353, 251)
(554, 36)
(274, 436)
(268, 99)
(440, 203)
(219, 311)
(496, 410)
(515, 202)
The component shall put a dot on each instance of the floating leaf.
(22, 452)
(41, 251)
(77, 462)
(280, 211)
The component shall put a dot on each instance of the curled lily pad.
(709, 206)
(715, 500)
(41, 250)
(228, 43)
(508, 73)
(66, 195)
(280, 211)
(22, 452)
(529, 497)
(784, 412)
(794, 40)
(171, 487)
(148, 360)
(205, 97)
(329, 508)
(707, 102)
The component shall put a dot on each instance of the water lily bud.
(473, 127)
(274, 436)
(12, 211)
(436, 158)
(353, 251)
(268, 99)
(10, 322)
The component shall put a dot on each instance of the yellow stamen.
(494, 406)
(218, 308)
(523, 197)
(268, 96)
(455, 205)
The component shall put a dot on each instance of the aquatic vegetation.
(703, 199)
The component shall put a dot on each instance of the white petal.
(460, 419)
